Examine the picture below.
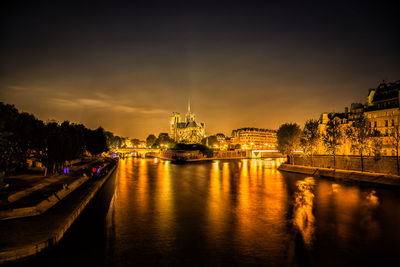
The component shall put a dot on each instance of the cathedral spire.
(189, 106)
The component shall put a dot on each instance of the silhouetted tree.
(332, 138)
(164, 140)
(210, 141)
(135, 142)
(289, 139)
(150, 140)
(23, 136)
(114, 141)
(20, 137)
(52, 156)
(96, 142)
(310, 137)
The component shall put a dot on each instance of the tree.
(53, 149)
(310, 137)
(150, 140)
(332, 138)
(164, 140)
(360, 136)
(135, 142)
(21, 136)
(114, 141)
(394, 140)
(73, 143)
(110, 139)
(96, 142)
(210, 141)
(376, 143)
(289, 139)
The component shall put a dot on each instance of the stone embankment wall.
(344, 175)
(382, 165)
(196, 155)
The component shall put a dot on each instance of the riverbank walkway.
(26, 236)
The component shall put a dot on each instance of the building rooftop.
(254, 129)
(385, 96)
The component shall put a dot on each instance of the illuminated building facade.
(254, 138)
(223, 141)
(343, 118)
(220, 137)
(382, 110)
(188, 131)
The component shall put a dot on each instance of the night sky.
(126, 67)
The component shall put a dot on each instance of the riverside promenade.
(31, 234)
(344, 175)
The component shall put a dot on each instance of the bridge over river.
(137, 152)
(156, 152)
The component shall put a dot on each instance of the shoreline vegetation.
(50, 146)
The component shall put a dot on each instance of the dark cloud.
(126, 66)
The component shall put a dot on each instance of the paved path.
(25, 237)
(29, 189)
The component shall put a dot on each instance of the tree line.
(23, 136)
(163, 140)
(362, 137)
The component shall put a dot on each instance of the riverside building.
(381, 109)
(254, 138)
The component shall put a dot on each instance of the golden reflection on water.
(272, 207)
(372, 198)
(225, 177)
(260, 200)
(335, 188)
(242, 206)
(346, 202)
(215, 200)
(164, 201)
(116, 213)
(142, 187)
(349, 209)
(303, 215)
(243, 211)
(244, 188)
(124, 176)
(261, 207)
(367, 218)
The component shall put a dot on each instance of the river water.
(240, 212)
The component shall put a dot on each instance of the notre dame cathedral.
(188, 131)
